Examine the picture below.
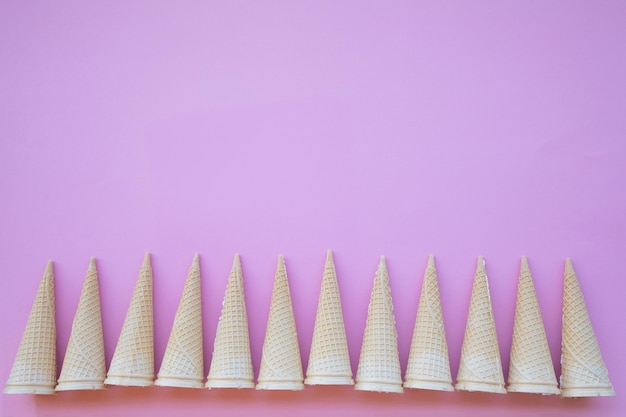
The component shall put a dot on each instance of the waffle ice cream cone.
(583, 372)
(329, 361)
(231, 366)
(429, 363)
(133, 360)
(84, 367)
(531, 369)
(183, 363)
(379, 364)
(281, 365)
(480, 368)
(34, 370)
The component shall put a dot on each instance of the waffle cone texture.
(34, 369)
(329, 361)
(84, 367)
(133, 360)
(429, 363)
(379, 363)
(231, 365)
(480, 368)
(583, 372)
(531, 369)
(281, 365)
(183, 363)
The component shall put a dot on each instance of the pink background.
(395, 128)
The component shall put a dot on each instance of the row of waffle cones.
(583, 372)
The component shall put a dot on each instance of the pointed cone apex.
(583, 372)
(196, 261)
(531, 369)
(379, 364)
(183, 364)
(84, 367)
(329, 362)
(281, 366)
(34, 370)
(429, 363)
(133, 360)
(480, 368)
(231, 366)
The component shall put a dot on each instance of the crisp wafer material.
(480, 368)
(429, 363)
(583, 372)
(329, 361)
(133, 360)
(35, 368)
(531, 369)
(379, 364)
(231, 366)
(83, 366)
(281, 365)
(183, 363)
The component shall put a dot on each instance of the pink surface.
(399, 129)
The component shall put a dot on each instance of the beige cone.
(583, 372)
(379, 364)
(84, 367)
(183, 362)
(531, 369)
(480, 368)
(133, 360)
(429, 363)
(34, 370)
(281, 365)
(231, 366)
(329, 361)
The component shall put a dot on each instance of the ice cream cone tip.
(480, 265)
(431, 261)
(50, 267)
(92, 264)
(146, 260)
(237, 261)
(524, 263)
(569, 268)
(196, 260)
(329, 253)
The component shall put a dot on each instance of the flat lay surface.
(398, 129)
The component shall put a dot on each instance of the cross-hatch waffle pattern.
(379, 361)
(231, 352)
(530, 355)
(35, 362)
(84, 358)
(428, 358)
(329, 348)
(480, 354)
(281, 353)
(582, 364)
(183, 357)
(134, 354)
